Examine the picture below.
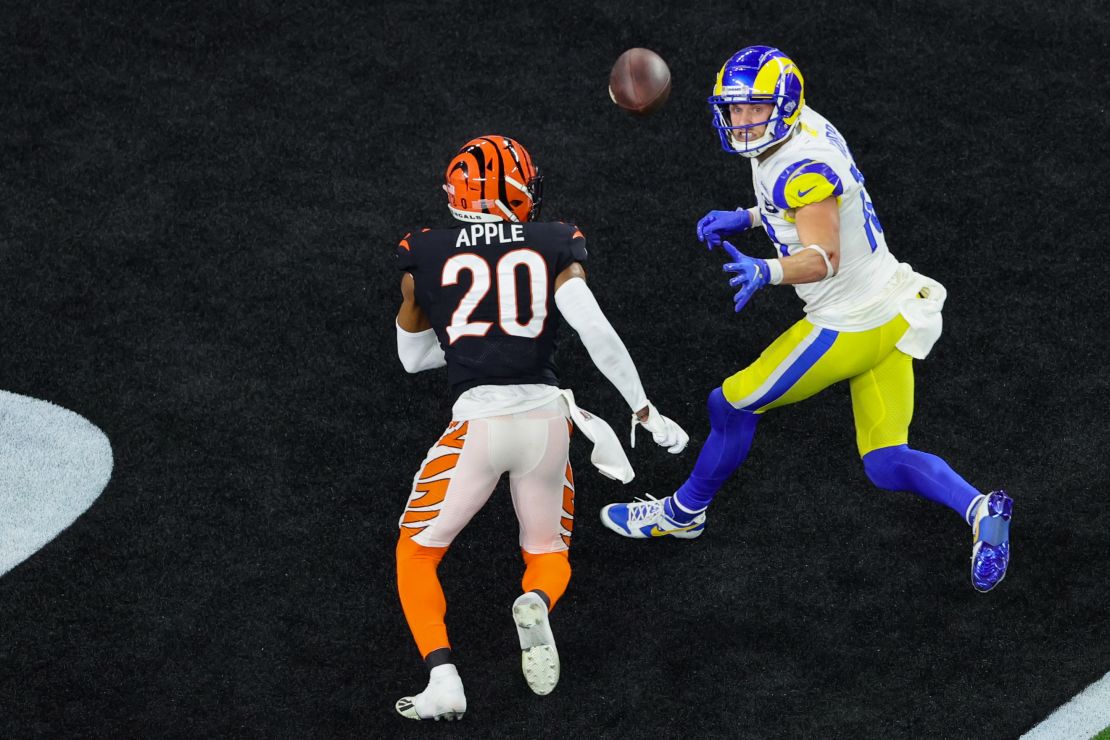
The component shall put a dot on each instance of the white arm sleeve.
(578, 306)
(419, 351)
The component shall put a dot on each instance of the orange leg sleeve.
(421, 594)
(549, 572)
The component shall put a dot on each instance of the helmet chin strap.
(507, 211)
(764, 142)
(523, 189)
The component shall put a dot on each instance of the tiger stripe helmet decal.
(493, 178)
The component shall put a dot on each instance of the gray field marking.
(53, 465)
(1081, 718)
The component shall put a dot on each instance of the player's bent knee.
(882, 466)
(721, 412)
(408, 549)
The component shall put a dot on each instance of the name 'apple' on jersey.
(815, 164)
(488, 291)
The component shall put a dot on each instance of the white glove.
(665, 432)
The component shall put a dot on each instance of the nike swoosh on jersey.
(804, 193)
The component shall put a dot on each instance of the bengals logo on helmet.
(492, 178)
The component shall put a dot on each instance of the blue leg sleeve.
(730, 437)
(900, 468)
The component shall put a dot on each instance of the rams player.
(867, 315)
(486, 298)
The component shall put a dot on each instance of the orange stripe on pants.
(421, 594)
(549, 572)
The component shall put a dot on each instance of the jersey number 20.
(508, 309)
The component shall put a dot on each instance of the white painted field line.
(1080, 719)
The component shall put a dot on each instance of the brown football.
(640, 81)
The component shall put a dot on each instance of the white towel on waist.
(608, 455)
(922, 311)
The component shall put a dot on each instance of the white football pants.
(461, 470)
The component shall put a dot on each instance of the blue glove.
(751, 274)
(716, 225)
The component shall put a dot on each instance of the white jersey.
(810, 166)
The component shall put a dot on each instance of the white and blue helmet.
(757, 74)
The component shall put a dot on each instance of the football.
(640, 81)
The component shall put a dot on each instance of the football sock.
(731, 431)
(444, 693)
(900, 468)
(675, 512)
(969, 516)
(421, 594)
(548, 573)
(438, 657)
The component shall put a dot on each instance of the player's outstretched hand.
(751, 274)
(665, 432)
(716, 225)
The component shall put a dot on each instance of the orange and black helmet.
(492, 178)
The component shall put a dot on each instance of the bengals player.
(486, 298)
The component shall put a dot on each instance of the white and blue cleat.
(644, 520)
(990, 553)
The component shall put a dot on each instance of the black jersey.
(489, 291)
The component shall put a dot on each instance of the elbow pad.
(419, 351)
(578, 306)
